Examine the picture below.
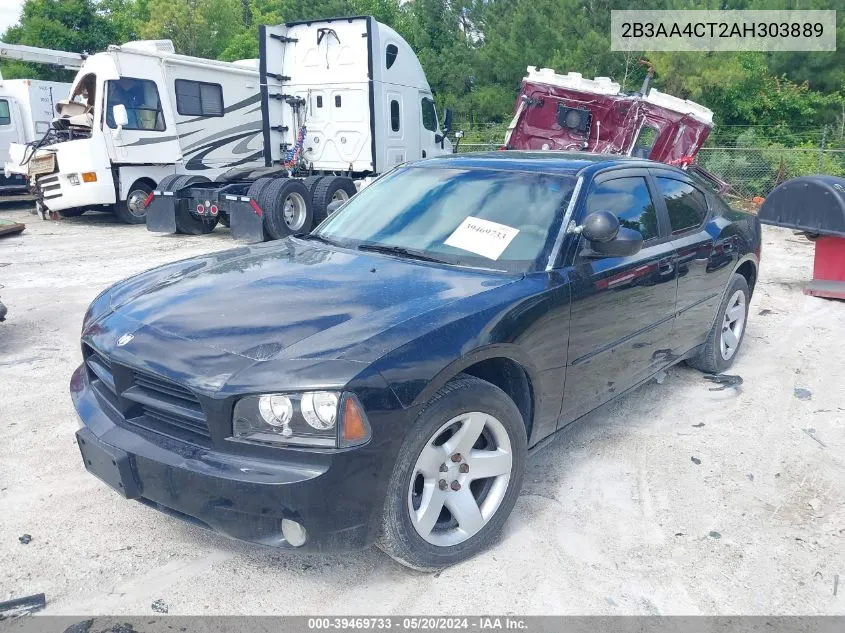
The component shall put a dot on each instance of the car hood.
(294, 298)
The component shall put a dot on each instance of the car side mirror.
(607, 239)
(600, 226)
(626, 243)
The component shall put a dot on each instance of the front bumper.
(333, 495)
(58, 194)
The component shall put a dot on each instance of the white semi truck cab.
(343, 100)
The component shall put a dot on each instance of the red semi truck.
(571, 113)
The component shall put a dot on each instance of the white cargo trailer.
(342, 100)
(27, 106)
(136, 114)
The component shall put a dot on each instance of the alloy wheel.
(460, 478)
(733, 325)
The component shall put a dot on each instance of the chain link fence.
(752, 159)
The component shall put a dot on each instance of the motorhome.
(342, 101)
(136, 114)
(27, 106)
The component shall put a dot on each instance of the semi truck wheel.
(288, 209)
(187, 220)
(311, 183)
(132, 210)
(328, 190)
(256, 192)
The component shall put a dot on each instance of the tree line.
(475, 52)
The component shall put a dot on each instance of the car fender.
(495, 350)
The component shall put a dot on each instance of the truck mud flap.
(161, 213)
(246, 224)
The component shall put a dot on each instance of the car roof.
(542, 162)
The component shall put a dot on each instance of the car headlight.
(328, 419)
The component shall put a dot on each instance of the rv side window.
(140, 98)
(390, 54)
(5, 115)
(394, 115)
(429, 115)
(645, 142)
(199, 98)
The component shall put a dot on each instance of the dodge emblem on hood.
(123, 340)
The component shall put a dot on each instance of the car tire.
(725, 337)
(187, 221)
(288, 209)
(132, 210)
(467, 403)
(224, 220)
(328, 190)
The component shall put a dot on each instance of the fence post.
(821, 148)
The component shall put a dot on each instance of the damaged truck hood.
(292, 299)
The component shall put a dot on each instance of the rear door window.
(629, 200)
(686, 205)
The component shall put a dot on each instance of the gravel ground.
(616, 516)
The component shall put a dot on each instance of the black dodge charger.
(382, 379)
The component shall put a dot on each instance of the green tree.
(203, 28)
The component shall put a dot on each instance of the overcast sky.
(9, 12)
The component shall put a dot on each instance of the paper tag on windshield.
(482, 237)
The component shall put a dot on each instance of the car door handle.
(666, 265)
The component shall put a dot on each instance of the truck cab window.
(142, 103)
(429, 115)
(390, 54)
(645, 142)
(630, 201)
(5, 114)
(394, 115)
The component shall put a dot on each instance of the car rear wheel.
(725, 338)
(457, 476)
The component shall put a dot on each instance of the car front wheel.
(457, 477)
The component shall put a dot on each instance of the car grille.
(148, 401)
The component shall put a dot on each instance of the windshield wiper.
(318, 238)
(401, 251)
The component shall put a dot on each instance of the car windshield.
(504, 220)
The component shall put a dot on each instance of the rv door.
(140, 131)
